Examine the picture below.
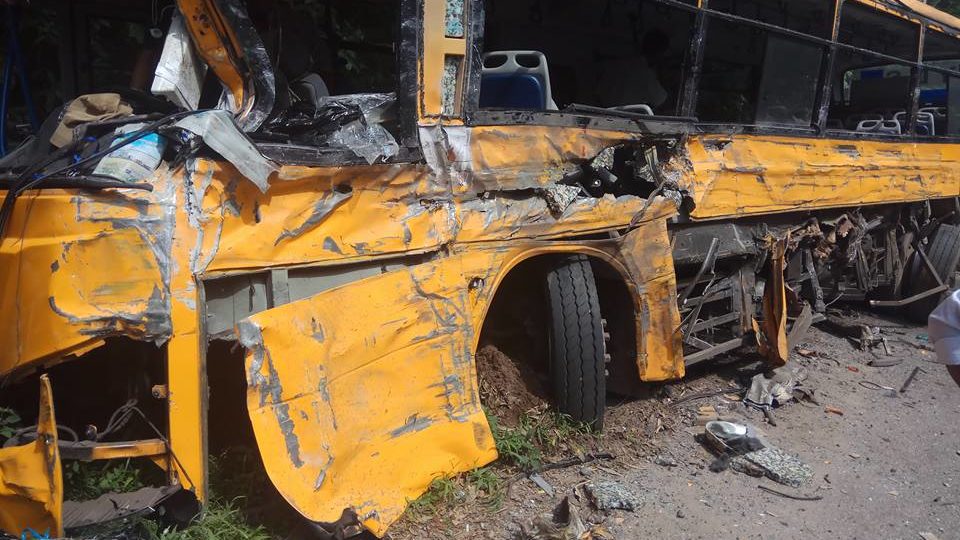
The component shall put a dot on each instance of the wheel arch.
(612, 277)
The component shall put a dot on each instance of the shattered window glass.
(454, 19)
(448, 84)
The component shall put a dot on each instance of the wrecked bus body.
(333, 229)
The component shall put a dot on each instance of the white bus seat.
(879, 126)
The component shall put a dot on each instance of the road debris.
(564, 523)
(741, 448)
(870, 385)
(665, 461)
(608, 495)
(789, 495)
(833, 410)
(775, 388)
(541, 483)
(913, 375)
(885, 363)
(706, 413)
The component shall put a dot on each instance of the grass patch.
(526, 447)
(221, 520)
(483, 486)
(537, 436)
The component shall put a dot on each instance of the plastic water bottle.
(135, 161)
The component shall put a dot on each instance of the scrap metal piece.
(31, 480)
(179, 74)
(220, 133)
(229, 44)
(560, 196)
(113, 506)
(772, 334)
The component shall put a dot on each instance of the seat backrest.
(516, 80)
(925, 122)
(879, 126)
(939, 117)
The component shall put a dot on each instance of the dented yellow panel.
(78, 268)
(360, 396)
(731, 176)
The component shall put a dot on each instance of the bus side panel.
(741, 175)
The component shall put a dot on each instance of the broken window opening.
(872, 99)
(872, 30)
(547, 56)
(755, 76)
(870, 93)
(336, 73)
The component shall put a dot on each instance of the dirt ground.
(886, 464)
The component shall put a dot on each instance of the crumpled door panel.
(361, 395)
(31, 480)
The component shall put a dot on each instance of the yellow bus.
(303, 230)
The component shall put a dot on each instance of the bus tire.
(944, 254)
(576, 336)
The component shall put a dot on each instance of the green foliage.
(535, 436)
(482, 486)
(222, 519)
(490, 487)
(9, 422)
(442, 493)
(88, 480)
(515, 445)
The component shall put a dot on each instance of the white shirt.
(943, 327)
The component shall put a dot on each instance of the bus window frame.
(686, 122)
(408, 52)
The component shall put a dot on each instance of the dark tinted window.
(756, 76)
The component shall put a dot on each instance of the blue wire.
(34, 534)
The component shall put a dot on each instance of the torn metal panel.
(358, 404)
(772, 331)
(230, 46)
(527, 215)
(647, 255)
(31, 480)
(548, 154)
(219, 132)
(761, 174)
(114, 506)
(315, 215)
